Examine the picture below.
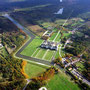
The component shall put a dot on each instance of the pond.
(60, 11)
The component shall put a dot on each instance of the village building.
(49, 45)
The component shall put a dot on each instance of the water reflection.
(61, 0)
(60, 11)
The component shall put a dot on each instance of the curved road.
(29, 33)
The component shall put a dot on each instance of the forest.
(10, 67)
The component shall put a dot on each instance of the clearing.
(32, 70)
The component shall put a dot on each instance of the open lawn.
(30, 49)
(52, 37)
(62, 53)
(61, 82)
(57, 54)
(49, 55)
(66, 35)
(44, 54)
(57, 39)
(40, 53)
(55, 29)
(80, 66)
(32, 70)
(35, 51)
(47, 24)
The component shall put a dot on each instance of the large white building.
(49, 45)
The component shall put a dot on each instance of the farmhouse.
(49, 45)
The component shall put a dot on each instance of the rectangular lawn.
(35, 52)
(53, 36)
(30, 49)
(58, 38)
(32, 70)
(49, 55)
(40, 53)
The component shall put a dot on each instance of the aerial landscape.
(44, 44)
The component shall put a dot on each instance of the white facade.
(1, 45)
(49, 45)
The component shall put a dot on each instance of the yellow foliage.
(22, 70)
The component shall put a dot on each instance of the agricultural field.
(37, 29)
(74, 23)
(47, 24)
(59, 21)
(32, 70)
(61, 82)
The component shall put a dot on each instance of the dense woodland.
(45, 12)
(10, 67)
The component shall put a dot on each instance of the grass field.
(30, 49)
(61, 82)
(35, 51)
(53, 37)
(40, 53)
(80, 66)
(44, 54)
(32, 70)
(58, 38)
(57, 54)
(49, 55)
(66, 35)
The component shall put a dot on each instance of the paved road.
(71, 63)
(29, 33)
